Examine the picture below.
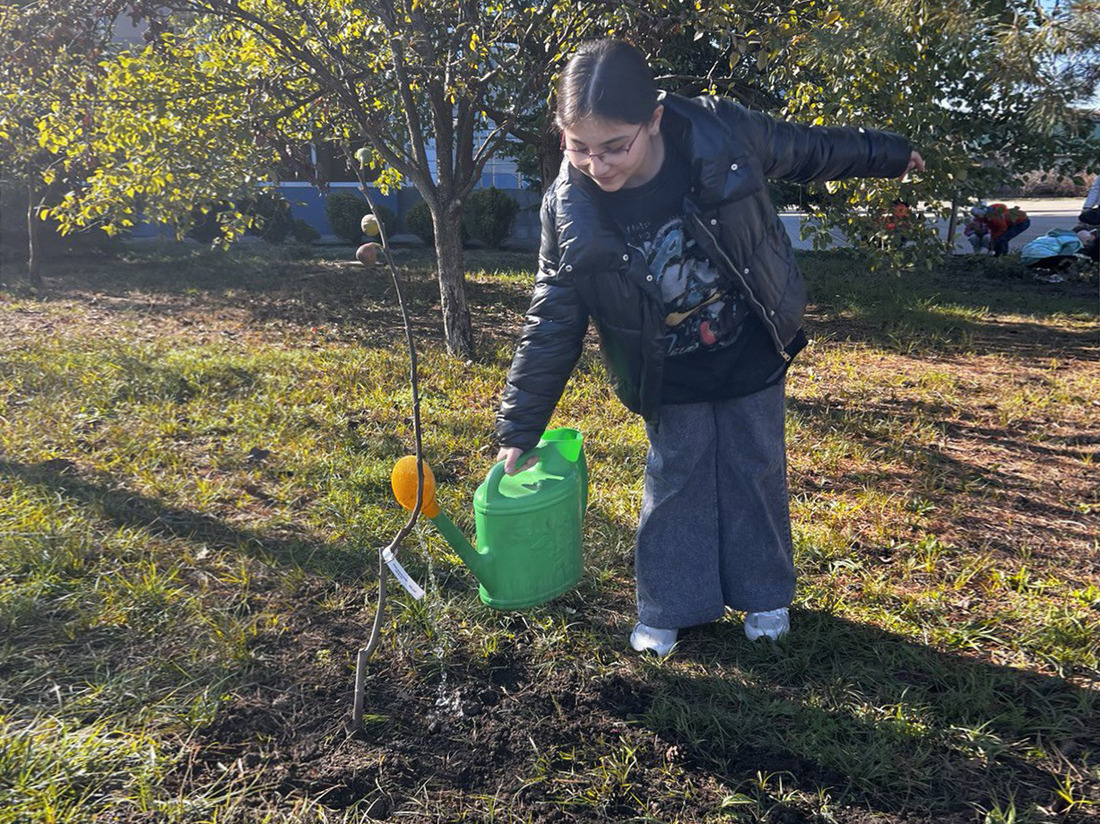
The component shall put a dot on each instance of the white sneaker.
(773, 624)
(650, 639)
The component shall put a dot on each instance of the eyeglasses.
(607, 155)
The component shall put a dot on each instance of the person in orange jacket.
(1004, 223)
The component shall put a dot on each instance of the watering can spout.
(405, 481)
(478, 562)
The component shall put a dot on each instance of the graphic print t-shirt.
(717, 347)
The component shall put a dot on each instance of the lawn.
(194, 480)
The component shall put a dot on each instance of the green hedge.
(489, 216)
(418, 220)
(345, 211)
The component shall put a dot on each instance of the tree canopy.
(985, 89)
(48, 82)
(389, 81)
(221, 92)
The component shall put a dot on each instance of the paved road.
(1060, 213)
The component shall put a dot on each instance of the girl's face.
(616, 155)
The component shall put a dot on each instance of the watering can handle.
(496, 474)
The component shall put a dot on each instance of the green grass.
(194, 476)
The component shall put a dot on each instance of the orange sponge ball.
(404, 482)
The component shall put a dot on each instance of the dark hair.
(609, 79)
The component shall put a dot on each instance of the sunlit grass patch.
(54, 771)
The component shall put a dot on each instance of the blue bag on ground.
(1055, 243)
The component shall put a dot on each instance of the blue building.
(307, 201)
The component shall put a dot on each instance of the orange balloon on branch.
(404, 482)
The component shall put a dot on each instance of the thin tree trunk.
(550, 154)
(452, 280)
(953, 223)
(34, 253)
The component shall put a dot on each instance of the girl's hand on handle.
(510, 454)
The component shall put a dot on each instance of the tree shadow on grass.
(922, 332)
(90, 651)
(340, 297)
(855, 711)
(947, 312)
(938, 313)
(93, 643)
(1004, 474)
(213, 292)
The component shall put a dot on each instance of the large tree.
(49, 77)
(986, 89)
(230, 82)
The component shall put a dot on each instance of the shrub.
(274, 211)
(418, 220)
(51, 243)
(489, 216)
(303, 232)
(205, 224)
(345, 211)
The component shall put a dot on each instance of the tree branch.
(413, 124)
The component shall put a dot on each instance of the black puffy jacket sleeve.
(549, 346)
(804, 154)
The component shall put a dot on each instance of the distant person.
(1005, 223)
(1090, 212)
(659, 228)
(1090, 241)
(977, 230)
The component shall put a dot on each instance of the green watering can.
(529, 547)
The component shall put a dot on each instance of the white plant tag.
(403, 578)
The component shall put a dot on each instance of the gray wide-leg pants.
(715, 527)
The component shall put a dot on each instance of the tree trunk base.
(457, 327)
